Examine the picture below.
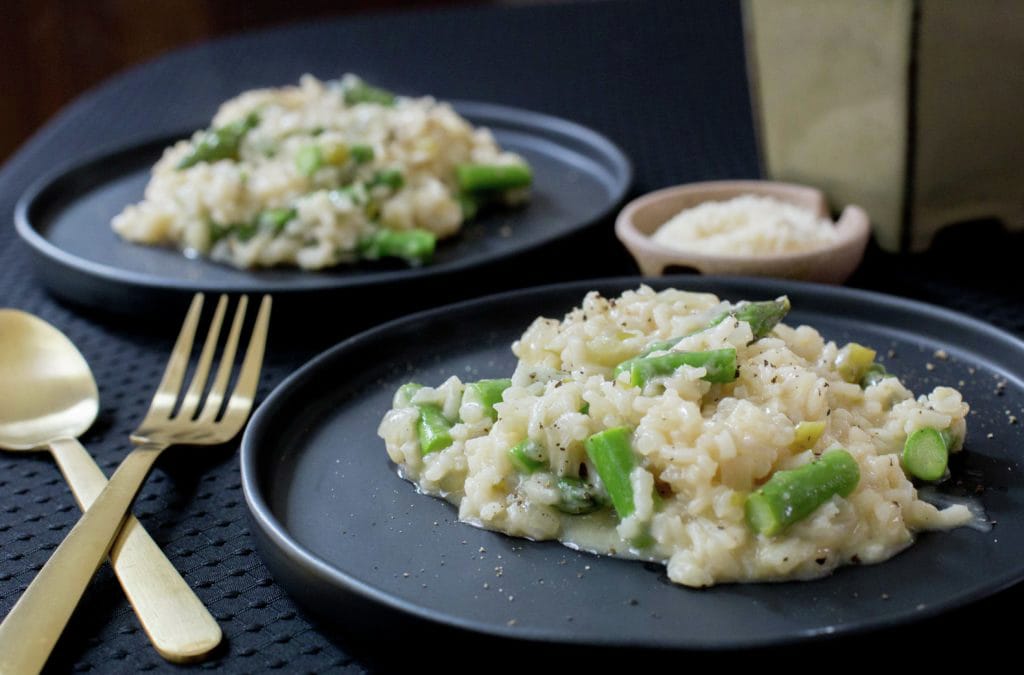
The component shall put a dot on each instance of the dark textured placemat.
(664, 79)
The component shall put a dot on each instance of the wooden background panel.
(53, 50)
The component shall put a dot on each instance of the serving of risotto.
(323, 173)
(679, 428)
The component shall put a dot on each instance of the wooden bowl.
(832, 263)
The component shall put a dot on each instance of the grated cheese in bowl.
(745, 225)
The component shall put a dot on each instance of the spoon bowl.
(50, 389)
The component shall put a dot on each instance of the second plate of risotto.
(782, 460)
(315, 188)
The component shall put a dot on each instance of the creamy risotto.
(679, 428)
(323, 173)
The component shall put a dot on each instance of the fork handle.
(34, 624)
(176, 621)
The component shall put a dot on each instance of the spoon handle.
(179, 626)
(32, 627)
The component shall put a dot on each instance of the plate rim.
(616, 161)
(271, 528)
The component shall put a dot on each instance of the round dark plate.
(340, 530)
(579, 178)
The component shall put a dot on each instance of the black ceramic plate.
(579, 178)
(340, 529)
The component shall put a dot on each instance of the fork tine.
(167, 393)
(240, 403)
(195, 389)
(227, 360)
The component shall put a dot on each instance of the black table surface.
(666, 80)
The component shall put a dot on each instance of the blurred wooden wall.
(53, 50)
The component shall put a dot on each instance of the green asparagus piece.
(389, 178)
(489, 392)
(762, 316)
(272, 220)
(245, 231)
(414, 246)
(309, 159)
(469, 204)
(334, 153)
(483, 177)
(220, 143)
(874, 374)
(853, 361)
(275, 219)
(577, 496)
(613, 458)
(218, 232)
(925, 454)
(949, 438)
(807, 434)
(720, 365)
(356, 192)
(790, 496)
(585, 408)
(405, 393)
(360, 92)
(361, 153)
(627, 365)
(434, 429)
(661, 346)
(528, 456)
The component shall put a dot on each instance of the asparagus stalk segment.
(272, 220)
(489, 392)
(334, 154)
(719, 364)
(485, 177)
(469, 204)
(762, 316)
(528, 456)
(661, 346)
(361, 154)
(853, 361)
(874, 374)
(613, 458)
(309, 159)
(221, 143)
(807, 434)
(926, 454)
(433, 429)
(275, 219)
(404, 395)
(389, 178)
(218, 232)
(414, 246)
(360, 92)
(790, 496)
(577, 496)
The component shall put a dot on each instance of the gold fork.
(30, 630)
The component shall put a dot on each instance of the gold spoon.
(47, 400)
